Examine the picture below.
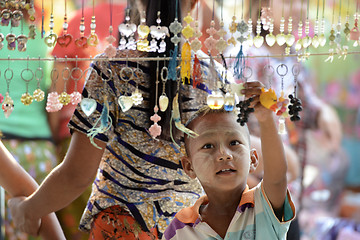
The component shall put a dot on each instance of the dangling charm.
(232, 30)
(105, 123)
(64, 97)
(175, 28)
(163, 99)
(39, 94)
(196, 43)
(221, 44)
(298, 44)
(158, 32)
(290, 39)
(143, 31)
(258, 40)
(22, 40)
(354, 33)
(32, 26)
(155, 129)
(282, 127)
(245, 111)
(270, 38)
(322, 38)
(93, 38)
(2, 38)
(11, 39)
(26, 98)
(51, 39)
(15, 18)
(5, 17)
(65, 39)
(295, 103)
(127, 31)
(75, 96)
(210, 42)
(126, 102)
(8, 104)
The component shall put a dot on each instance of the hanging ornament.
(175, 28)
(354, 33)
(31, 12)
(280, 38)
(52, 103)
(322, 38)
(93, 38)
(196, 43)
(75, 74)
(8, 104)
(39, 94)
(290, 38)
(138, 76)
(233, 28)
(127, 31)
(163, 99)
(64, 97)
(298, 44)
(338, 38)
(244, 105)
(221, 44)
(11, 39)
(155, 129)
(5, 17)
(27, 76)
(65, 39)
(104, 120)
(295, 103)
(268, 24)
(331, 39)
(306, 41)
(185, 65)
(2, 38)
(51, 39)
(315, 41)
(126, 102)
(110, 50)
(143, 31)
(158, 32)
(250, 40)
(242, 28)
(22, 40)
(258, 40)
(282, 102)
(81, 42)
(210, 42)
(215, 100)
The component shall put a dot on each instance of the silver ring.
(5, 73)
(39, 69)
(54, 75)
(280, 67)
(296, 69)
(28, 70)
(245, 70)
(67, 69)
(123, 74)
(164, 70)
(72, 72)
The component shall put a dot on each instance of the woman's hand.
(23, 221)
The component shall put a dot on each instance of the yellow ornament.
(268, 99)
(26, 99)
(64, 98)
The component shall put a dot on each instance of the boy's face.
(220, 156)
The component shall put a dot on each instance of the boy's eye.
(207, 146)
(235, 142)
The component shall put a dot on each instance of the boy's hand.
(253, 90)
(23, 222)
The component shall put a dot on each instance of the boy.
(221, 159)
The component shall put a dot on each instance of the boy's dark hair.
(205, 110)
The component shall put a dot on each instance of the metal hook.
(296, 70)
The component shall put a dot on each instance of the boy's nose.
(224, 154)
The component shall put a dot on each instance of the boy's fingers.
(253, 84)
(251, 92)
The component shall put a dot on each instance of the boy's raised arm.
(275, 166)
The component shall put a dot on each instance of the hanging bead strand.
(65, 39)
(51, 39)
(93, 39)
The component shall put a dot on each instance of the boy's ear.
(187, 166)
(254, 160)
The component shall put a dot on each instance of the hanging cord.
(259, 9)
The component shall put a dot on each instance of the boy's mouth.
(226, 170)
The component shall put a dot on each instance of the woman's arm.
(17, 182)
(63, 184)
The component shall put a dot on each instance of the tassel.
(105, 123)
(177, 120)
(282, 128)
(185, 62)
(196, 72)
(172, 63)
(239, 64)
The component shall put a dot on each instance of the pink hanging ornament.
(53, 104)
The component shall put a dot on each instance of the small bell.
(282, 127)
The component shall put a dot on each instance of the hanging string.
(242, 9)
(213, 13)
(42, 19)
(250, 9)
(340, 10)
(259, 9)
(333, 15)
(111, 11)
(301, 11)
(235, 8)
(307, 10)
(317, 9)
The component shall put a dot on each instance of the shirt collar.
(191, 214)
